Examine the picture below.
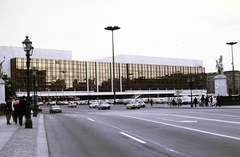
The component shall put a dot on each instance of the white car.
(142, 104)
(72, 104)
(104, 106)
(93, 104)
(55, 109)
(40, 103)
(133, 105)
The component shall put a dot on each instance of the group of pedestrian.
(15, 109)
(208, 101)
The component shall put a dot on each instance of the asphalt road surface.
(158, 131)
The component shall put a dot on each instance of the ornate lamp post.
(233, 72)
(110, 28)
(27, 46)
(190, 82)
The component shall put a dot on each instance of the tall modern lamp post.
(27, 46)
(110, 28)
(233, 72)
(190, 82)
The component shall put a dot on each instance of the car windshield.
(55, 107)
(133, 102)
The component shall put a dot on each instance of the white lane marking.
(91, 119)
(154, 142)
(183, 121)
(186, 128)
(188, 121)
(222, 115)
(216, 120)
(136, 139)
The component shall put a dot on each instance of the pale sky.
(189, 29)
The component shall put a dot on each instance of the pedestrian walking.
(214, 102)
(218, 100)
(211, 100)
(151, 102)
(206, 101)
(8, 110)
(13, 114)
(16, 110)
(202, 100)
(22, 110)
(195, 101)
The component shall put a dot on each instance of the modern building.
(57, 75)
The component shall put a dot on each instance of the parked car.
(133, 105)
(142, 104)
(72, 104)
(40, 103)
(39, 109)
(93, 104)
(62, 103)
(103, 106)
(86, 102)
(51, 103)
(55, 109)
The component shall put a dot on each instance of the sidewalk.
(16, 141)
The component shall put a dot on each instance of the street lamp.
(110, 28)
(63, 85)
(27, 46)
(190, 82)
(35, 109)
(233, 72)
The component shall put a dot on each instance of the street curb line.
(42, 146)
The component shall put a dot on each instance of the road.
(157, 131)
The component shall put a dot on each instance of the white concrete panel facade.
(152, 60)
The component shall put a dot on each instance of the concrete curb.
(42, 146)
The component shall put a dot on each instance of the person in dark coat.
(195, 101)
(218, 100)
(206, 100)
(22, 110)
(8, 110)
(202, 100)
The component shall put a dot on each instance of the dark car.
(55, 109)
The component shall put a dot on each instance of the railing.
(127, 92)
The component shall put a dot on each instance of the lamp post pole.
(233, 71)
(190, 82)
(110, 28)
(27, 45)
(35, 112)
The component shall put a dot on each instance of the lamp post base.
(35, 113)
(28, 123)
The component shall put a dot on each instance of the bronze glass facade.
(69, 75)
